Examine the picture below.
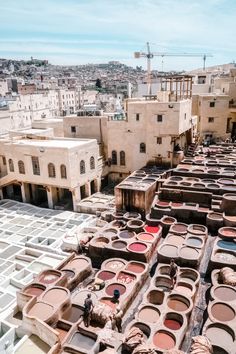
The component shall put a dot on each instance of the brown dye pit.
(163, 340)
(148, 314)
(110, 289)
(34, 291)
(41, 311)
(137, 247)
(184, 290)
(62, 333)
(135, 267)
(55, 295)
(222, 312)
(73, 314)
(119, 244)
(48, 278)
(78, 264)
(177, 305)
(172, 324)
(225, 294)
(179, 228)
(168, 220)
(105, 275)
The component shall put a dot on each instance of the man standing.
(173, 272)
(88, 307)
(118, 318)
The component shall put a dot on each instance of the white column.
(88, 189)
(76, 197)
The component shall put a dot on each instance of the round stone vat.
(194, 242)
(149, 314)
(220, 334)
(137, 247)
(105, 275)
(151, 229)
(168, 220)
(175, 240)
(227, 244)
(215, 216)
(49, 276)
(208, 180)
(164, 340)
(199, 185)
(176, 178)
(225, 256)
(227, 232)
(197, 229)
(192, 179)
(213, 172)
(198, 170)
(189, 253)
(164, 283)
(132, 215)
(126, 278)
(189, 275)
(172, 183)
(213, 186)
(115, 286)
(110, 232)
(179, 228)
(78, 264)
(146, 237)
(173, 321)
(185, 184)
(178, 303)
(135, 225)
(82, 341)
(144, 328)
(34, 289)
(224, 293)
(73, 314)
(222, 312)
(176, 204)
(168, 251)
(120, 224)
(101, 241)
(125, 234)
(56, 295)
(225, 181)
(119, 244)
(114, 265)
(135, 267)
(118, 215)
(229, 203)
(155, 297)
(41, 310)
(69, 273)
(164, 270)
(184, 288)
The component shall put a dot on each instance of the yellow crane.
(150, 55)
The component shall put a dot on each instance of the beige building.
(49, 171)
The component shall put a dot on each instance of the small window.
(137, 117)
(122, 158)
(35, 165)
(82, 167)
(4, 160)
(185, 115)
(21, 167)
(92, 163)
(51, 170)
(63, 171)
(159, 117)
(114, 157)
(210, 120)
(11, 165)
(142, 148)
(212, 104)
(159, 140)
(73, 129)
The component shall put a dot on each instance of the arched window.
(11, 165)
(82, 167)
(122, 158)
(114, 157)
(21, 167)
(51, 170)
(63, 171)
(92, 163)
(142, 148)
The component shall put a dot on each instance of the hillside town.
(117, 209)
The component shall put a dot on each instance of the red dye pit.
(110, 289)
(151, 229)
(135, 267)
(34, 291)
(105, 275)
(137, 247)
(172, 324)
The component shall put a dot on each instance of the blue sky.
(96, 31)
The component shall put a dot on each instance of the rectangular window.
(210, 120)
(73, 129)
(228, 125)
(137, 117)
(185, 115)
(212, 104)
(35, 165)
(4, 160)
(159, 140)
(159, 118)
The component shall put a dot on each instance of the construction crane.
(149, 55)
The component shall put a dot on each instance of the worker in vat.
(116, 296)
(173, 272)
(117, 318)
(88, 308)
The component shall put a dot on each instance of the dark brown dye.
(82, 341)
(172, 324)
(73, 314)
